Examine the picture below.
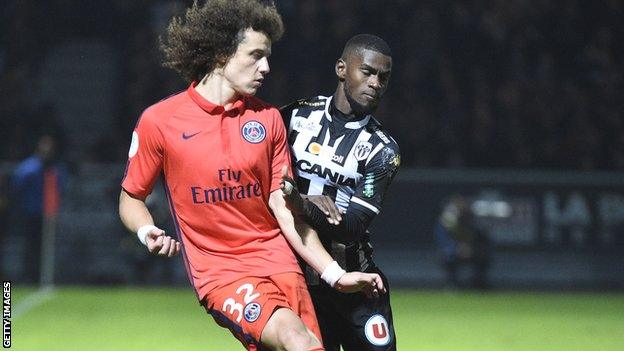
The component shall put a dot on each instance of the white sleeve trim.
(365, 204)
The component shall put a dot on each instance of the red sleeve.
(281, 150)
(145, 157)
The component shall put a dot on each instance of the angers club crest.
(254, 132)
(362, 150)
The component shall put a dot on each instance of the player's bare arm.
(295, 201)
(306, 243)
(350, 281)
(327, 205)
(341, 225)
(137, 218)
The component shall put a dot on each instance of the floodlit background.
(508, 111)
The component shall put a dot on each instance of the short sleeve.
(145, 157)
(379, 172)
(281, 151)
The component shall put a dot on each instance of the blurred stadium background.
(515, 105)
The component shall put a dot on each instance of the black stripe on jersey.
(331, 192)
(361, 166)
(286, 112)
(303, 185)
(320, 138)
(287, 115)
(292, 137)
(348, 143)
(376, 130)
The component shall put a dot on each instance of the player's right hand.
(369, 283)
(328, 206)
(293, 199)
(160, 244)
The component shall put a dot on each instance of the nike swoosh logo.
(188, 136)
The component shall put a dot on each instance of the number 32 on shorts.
(251, 310)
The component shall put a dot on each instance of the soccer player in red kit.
(223, 154)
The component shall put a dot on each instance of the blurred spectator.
(35, 188)
(462, 244)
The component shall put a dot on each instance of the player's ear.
(221, 61)
(341, 69)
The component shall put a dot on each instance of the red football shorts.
(245, 306)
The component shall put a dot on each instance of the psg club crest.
(254, 132)
(252, 312)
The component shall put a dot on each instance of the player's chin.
(365, 107)
(371, 109)
(249, 91)
(254, 87)
(368, 109)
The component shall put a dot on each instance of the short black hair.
(366, 42)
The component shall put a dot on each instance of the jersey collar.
(210, 107)
(349, 125)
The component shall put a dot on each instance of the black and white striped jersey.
(351, 160)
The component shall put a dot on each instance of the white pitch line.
(31, 301)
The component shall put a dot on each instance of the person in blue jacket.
(35, 189)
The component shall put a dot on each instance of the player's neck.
(341, 103)
(215, 88)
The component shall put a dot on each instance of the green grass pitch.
(170, 319)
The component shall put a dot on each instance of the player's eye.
(384, 77)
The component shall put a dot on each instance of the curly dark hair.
(209, 34)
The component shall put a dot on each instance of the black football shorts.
(356, 322)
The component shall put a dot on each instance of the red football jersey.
(219, 168)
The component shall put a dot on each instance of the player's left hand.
(369, 283)
(293, 199)
(158, 243)
(328, 206)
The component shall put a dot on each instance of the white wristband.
(332, 273)
(143, 231)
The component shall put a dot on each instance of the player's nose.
(374, 82)
(263, 66)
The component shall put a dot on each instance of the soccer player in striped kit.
(222, 154)
(344, 162)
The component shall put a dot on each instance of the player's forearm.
(308, 246)
(133, 212)
(313, 243)
(304, 242)
(352, 227)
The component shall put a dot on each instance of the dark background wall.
(527, 83)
